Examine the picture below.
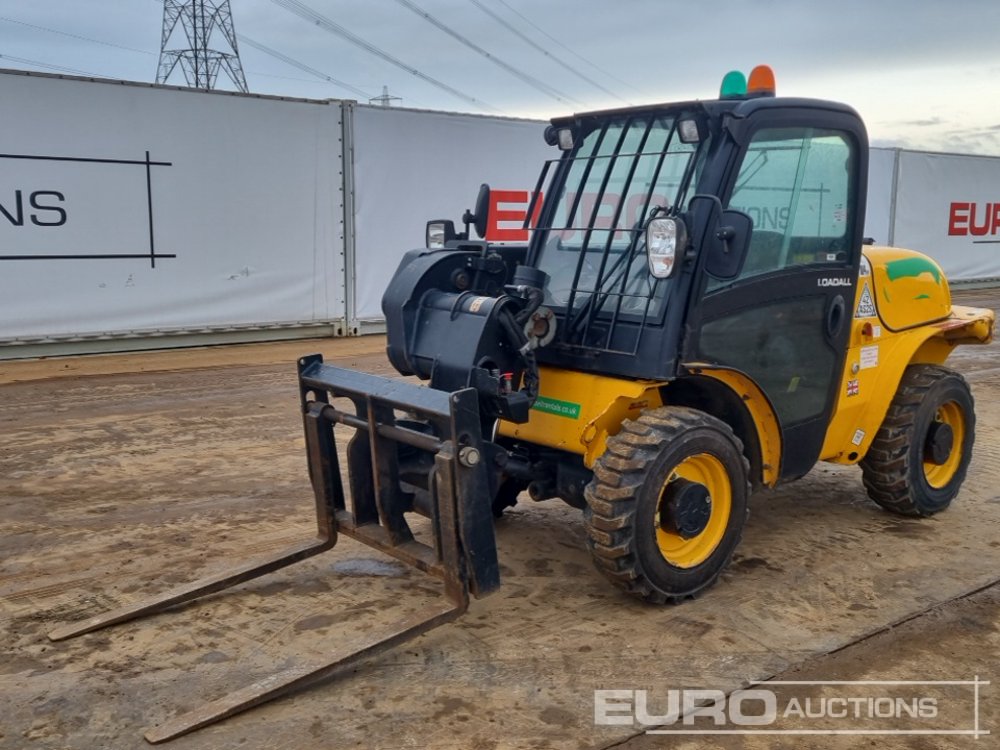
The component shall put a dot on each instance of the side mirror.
(439, 233)
(727, 244)
(481, 216)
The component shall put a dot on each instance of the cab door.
(785, 319)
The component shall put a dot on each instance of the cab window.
(794, 183)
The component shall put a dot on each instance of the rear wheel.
(667, 504)
(918, 460)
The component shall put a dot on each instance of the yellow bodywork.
(578, 411)
(761, 412)
(902, 314)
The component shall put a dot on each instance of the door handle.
(835, 316)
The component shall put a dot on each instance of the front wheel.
(920, 455)
(667, 503)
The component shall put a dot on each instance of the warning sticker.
(866, 267)
(859, 435)
(866, 305)
(869, 357)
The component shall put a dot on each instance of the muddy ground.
(124, 475)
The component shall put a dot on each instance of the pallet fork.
(442, 430)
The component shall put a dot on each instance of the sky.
(924, 74)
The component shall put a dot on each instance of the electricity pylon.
(205, 23)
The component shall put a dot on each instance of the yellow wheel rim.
(938, 475)
(707, 470)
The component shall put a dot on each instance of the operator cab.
(723, 232)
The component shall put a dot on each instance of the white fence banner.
(948, 207)
(878, 214)
(131, 209)
(411, 167)
(128, 210)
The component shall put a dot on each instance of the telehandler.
(697, 315)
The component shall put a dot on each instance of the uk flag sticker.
(852, 388)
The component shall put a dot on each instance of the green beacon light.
(734, 85)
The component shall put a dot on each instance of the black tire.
(895, 469)
(625, 502)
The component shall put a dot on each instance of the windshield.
(592, 248)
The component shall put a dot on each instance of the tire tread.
(886, 468)
(611, 496)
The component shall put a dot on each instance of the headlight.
(664, 237)
(689, 131)
(439, 232)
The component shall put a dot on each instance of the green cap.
(734, 85)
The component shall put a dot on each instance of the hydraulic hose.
(515, 335)
(535, 297)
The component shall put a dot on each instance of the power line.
(304, 11)
(60, 68)
(578, 56)
(74, 36)
(532, 43)
(243, 39)
(529, 79)
(302, 66)
(283, 78)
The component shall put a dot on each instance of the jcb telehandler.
(697, 315)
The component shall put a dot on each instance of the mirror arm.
(467, 218)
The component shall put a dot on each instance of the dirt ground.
(124, 475)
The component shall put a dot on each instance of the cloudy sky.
(923, 73)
